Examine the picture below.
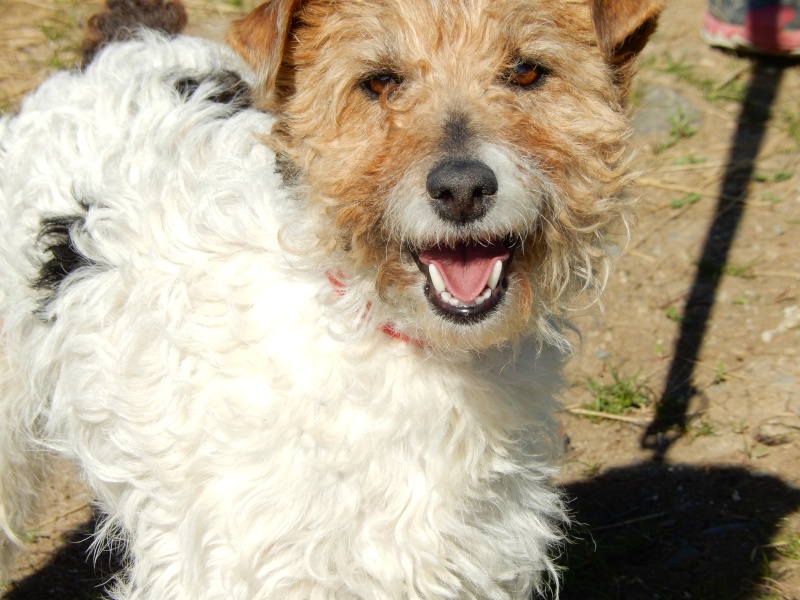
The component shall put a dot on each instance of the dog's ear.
(624, 26)
(260, 38)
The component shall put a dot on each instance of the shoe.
(754, 26)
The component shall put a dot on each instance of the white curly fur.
(248, 432)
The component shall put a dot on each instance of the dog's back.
(90, 196)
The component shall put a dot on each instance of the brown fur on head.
(373, 96)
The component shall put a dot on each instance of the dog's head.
(464, 158)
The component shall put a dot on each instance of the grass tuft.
(687, 200)
(680, 129)
(729, 89)
(621, 395)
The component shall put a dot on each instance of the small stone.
(659, 105)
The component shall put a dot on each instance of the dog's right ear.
(624, 26)
(260, 39)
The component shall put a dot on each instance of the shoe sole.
(737, 37)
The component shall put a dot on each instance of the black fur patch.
(228, 88)
(61, 256)
(287, 171)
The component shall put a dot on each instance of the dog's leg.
(22, 464)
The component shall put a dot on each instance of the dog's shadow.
(72, 573)
(673, 532)
(641, 532)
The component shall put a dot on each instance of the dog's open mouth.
(467, 281)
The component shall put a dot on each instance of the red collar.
(388, 329)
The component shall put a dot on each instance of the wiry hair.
(241, 347)
(563, 143)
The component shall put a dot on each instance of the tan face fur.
(418, 125)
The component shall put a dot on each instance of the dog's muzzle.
(466, 279)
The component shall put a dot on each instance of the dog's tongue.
(466, 268)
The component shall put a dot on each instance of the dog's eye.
(525, 74)
(381, 84)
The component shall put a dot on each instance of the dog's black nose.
(461, 190)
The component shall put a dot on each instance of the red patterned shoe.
(756, 26)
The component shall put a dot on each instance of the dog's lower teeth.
(448, 298)
(436, 287)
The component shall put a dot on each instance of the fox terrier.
(295, 306)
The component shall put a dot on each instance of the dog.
(297, 306)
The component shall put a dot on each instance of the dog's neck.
(337, 282)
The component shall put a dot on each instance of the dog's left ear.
(623, 28)
(260, 39)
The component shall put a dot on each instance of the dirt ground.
(693, 491)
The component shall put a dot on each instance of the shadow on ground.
(71, 574)
(671, 419)
(646, 532)
(670, 532)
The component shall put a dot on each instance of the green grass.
(689, 160)
(743, 271)
(715, 270)
(591, 469)
(741, 299)
(719, 374)
(782, 548)
(687, 200)
(789, 547)
(673, 314)
(704, 429)
(728, 89)
(54, 32)
(680, 129)
(792, 122)
(63, 32)
(777, 177)
(623, 394)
